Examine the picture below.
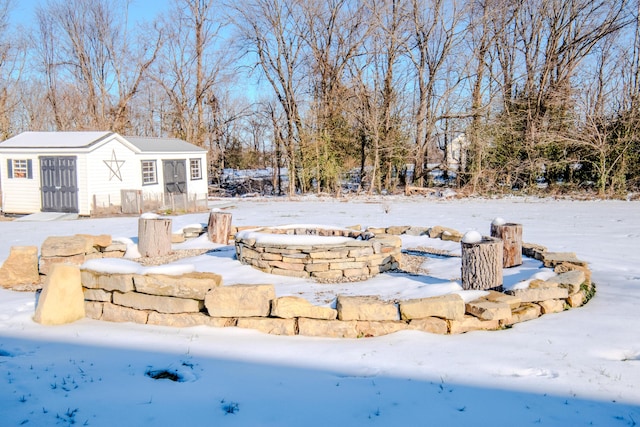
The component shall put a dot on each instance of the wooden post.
(154, 236)
(482, 264)
(219, 227)
(511, 235)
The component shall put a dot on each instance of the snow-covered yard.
(579, 367)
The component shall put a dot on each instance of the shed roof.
(70, 140)
(162, 145)
(54, 139)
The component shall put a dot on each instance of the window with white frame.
(196, 169)
(149, 175)
(19, 168)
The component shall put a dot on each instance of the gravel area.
(173, 256)
(413, 259)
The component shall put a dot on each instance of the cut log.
(511, 235)
(482, 264)
(219, 227)
(411, 190)
(154, 236)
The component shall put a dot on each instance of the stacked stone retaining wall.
(200, 299)
(78, 249)
(361, 256)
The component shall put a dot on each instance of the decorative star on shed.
(114, 166)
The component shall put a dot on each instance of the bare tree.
(47, 56)
(378, 84)
(541, 88)
(601, 142)
(89, 57)
(272, 31)
(278, 142)
(538, 56)
(367, 119)
(392, 22)
(634, 80)
(621, 111)
(573, 30)
(193, 64)
(12, 59)
(436, 25)
(230, 128)
(335, 31)
(493, 73)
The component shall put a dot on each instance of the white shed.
(83, 172)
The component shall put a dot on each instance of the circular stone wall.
(326, 254)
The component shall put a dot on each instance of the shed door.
(59, 184)
(175, 176)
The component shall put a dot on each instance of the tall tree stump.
(154, 236)
(482, 264)
(219, 227)
(511, 235)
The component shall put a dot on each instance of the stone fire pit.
(327, 254)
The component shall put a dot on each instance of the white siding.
(84, 207)
(110, 168)
(106, 187)
(158, 187)
(103, 170)
(20, 195)
(199, 186)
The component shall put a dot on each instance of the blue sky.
(23, 15)
(24, 10)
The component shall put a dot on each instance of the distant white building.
(77, 171)
(457, 153)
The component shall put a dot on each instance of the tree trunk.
(219, 227)
(511, 235)
(154, 237)
(482, 264)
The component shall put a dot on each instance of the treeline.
(498, 94)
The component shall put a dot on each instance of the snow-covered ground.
(579, 367)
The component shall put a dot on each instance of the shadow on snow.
(46, 383)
